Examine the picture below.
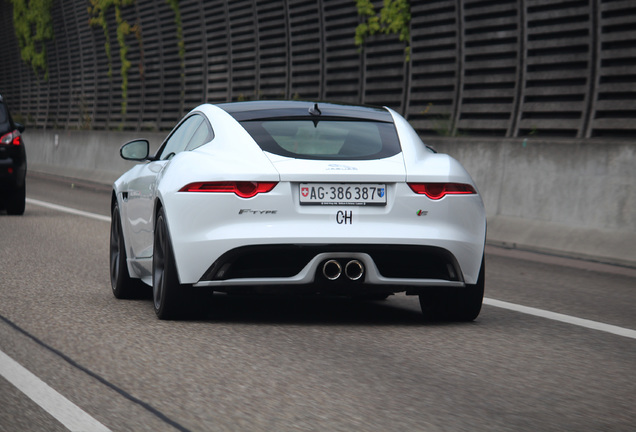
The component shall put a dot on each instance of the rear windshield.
(325, 139)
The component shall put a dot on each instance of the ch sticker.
(344, 217)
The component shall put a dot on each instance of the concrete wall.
(568, 197)
(571, 197)
(85, 155)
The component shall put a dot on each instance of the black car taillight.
(12, 138)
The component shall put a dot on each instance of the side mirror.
(136, 150)
(20, 127)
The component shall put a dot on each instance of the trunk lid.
(387, 170)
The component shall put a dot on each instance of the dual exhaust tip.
(353, 270)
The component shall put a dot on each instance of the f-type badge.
(422, 212)
(257, 212)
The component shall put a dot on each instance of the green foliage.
(174, 5)
(97, 11)
(33, 28)
(394, 18)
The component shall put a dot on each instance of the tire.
(459, 304)
(170, 298)
(124, 287)
(16, 201)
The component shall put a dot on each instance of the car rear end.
(340, 217)
(12, 163)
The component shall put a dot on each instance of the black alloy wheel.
(169, 296)
(454, 304)
(124, 287)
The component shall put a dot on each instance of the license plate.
(342, 194)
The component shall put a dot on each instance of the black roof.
(260, 110)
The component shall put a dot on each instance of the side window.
(181, 137)
(202, 135)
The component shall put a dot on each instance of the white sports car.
(297, 197)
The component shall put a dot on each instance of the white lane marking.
(595, 325)
(64, 411)
(68, 210)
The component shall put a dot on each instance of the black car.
(12, 163)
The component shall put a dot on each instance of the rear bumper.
(385, 267)
(417, 237)
(12, 173)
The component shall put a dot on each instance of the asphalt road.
(305, 364)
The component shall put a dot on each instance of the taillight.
(244, 189)
(437, 191)
(11, 138)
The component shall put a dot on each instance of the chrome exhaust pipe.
(354, 270)
(332, 269)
